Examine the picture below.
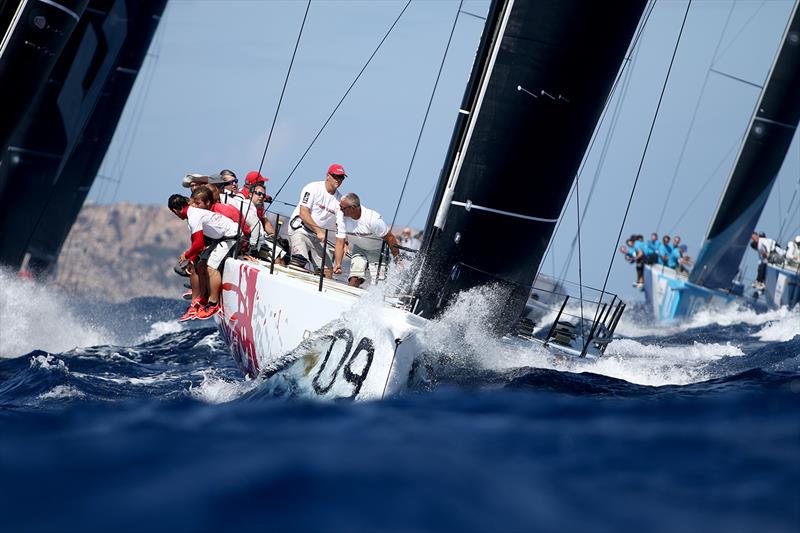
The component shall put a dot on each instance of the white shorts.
(220, 253)
(306, 244)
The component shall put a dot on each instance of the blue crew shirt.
(664, 250)
(674, 258)
(637, 246)
(651, 247)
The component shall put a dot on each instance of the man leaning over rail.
(365, 231)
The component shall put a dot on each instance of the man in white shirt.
(793, 251)
(213, 237)
(365, 231)
(764, 246)
(316, 212)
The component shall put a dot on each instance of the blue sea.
(114, 417)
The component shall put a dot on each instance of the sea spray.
(38, 316)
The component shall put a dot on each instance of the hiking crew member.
(217, 234)
(793, 250)
(764, 246)
(651, 250)
(317, 211)
(207, 197)
(365, 231)
(664, 251)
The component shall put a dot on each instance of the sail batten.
(769, 135)
(514, 159)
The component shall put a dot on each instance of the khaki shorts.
(220, 252)
(363, 261)
(306, 244)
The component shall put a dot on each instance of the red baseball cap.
(254, 177)
(336, 170)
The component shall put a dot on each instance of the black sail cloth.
(535, 100)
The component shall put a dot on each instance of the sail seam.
(469, 206)
(61, 8)
(775, 122)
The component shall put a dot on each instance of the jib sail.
(760, 157)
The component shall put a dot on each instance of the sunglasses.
(337, 177)
(259, 193)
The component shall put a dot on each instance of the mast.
(541, 77)
(45, 142)
(761, 154)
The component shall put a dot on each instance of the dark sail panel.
(761, 155)
(34, 34)
(47, 137)
(80, 168)
(541, 89)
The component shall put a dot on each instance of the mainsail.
(760, 157)
(57, 147)
(34, 34)
(538, 86)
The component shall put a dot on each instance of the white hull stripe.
(60, 7)
(504, 213)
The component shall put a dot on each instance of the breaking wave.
(36, 316)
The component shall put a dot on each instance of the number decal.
(365, 346)
(342, 334)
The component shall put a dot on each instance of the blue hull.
(672, 297)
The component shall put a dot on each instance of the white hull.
(362, 347)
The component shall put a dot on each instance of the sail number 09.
(345, 363)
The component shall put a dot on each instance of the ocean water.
(115, 417)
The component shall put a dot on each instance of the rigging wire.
(596, 132)
(644, 152)
(283, 90)
(427, 112)
(603, 154)
(580, 267)
(711, 176)
(694, 118)
(741, 30)
(341, 100)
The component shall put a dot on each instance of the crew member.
(220, 232)
(764, 246)
(365, 231)
(664, 251)
(316, 212)
(793, 251)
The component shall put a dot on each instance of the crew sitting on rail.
(793, 252)
(365, 231)
(221, 233)
(316, 212)
(636, 249)
(208, 197)
(651, 250)
(664, 251)
(765, 248)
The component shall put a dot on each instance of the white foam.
(48, 362)
(216, 389)
(783, 328)
(632, 325)
(161, 328)
(61, 392)
(35, 316)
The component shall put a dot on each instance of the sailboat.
(66, 70)
(714, 281)
(542, 75)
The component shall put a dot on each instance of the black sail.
(80, 168)
(44, 148)
(34, 35)
(769, 135)
(542, 75)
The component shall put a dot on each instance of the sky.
(210, 87)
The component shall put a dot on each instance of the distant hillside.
(123, 251)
